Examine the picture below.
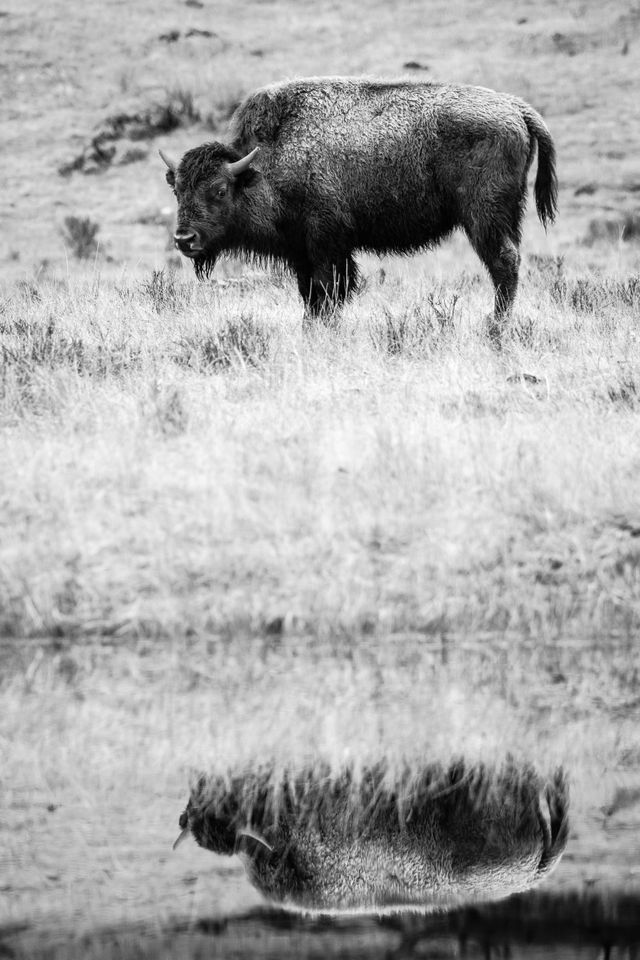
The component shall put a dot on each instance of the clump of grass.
(586, 294)
(417, 329)
(79, 235)
(163, 290)
(625, 228)
(29, 290)
(168, 411)
(171, 36)
(443, 313)
(30, 345)
(624, 392)
(406, 332)
(242, 340)
(523, 330)
(41, 344)
(133, 155)
(178, 110)
(550, 268)
(474, 405)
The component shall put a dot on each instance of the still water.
(448, 862)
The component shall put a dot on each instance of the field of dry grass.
(225, 540)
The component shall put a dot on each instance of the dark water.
(535, 925)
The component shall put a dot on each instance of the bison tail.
(546, 186)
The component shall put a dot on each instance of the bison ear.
(171, 172)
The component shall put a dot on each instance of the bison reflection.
(431, 841)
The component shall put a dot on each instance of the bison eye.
(221, 191)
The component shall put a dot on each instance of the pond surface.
(536, 925)
(95, 763)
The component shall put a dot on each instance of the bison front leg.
(325, 287)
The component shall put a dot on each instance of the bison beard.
(204, 264)
(320, 168)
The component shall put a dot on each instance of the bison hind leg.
(504, 267)
(495, 231)
(501, 257)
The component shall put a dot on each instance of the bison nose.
(186, 241)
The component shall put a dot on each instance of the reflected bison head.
(435, 840)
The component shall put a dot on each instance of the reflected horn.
(255, 836)
(183, 836)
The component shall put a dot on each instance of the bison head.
(207, 183)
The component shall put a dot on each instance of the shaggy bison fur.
(320, 168)
(433, 838)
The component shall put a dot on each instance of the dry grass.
(353, 481)
(240, 543)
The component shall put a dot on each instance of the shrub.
(168, 411)
(585, 294)
(625, 228)
(178, 109)
(241, 339)
(417, 328)
(163, 290)
(79, 235)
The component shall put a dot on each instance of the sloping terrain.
(71, 72)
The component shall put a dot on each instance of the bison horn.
(185, 832)
(238, 166)
(168, 162)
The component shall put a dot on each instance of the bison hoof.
(495, 328)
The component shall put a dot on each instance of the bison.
(435, 838)
(319, 168)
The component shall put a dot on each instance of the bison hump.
(258, 119)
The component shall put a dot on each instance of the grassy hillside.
(223, 540)
(73, 73)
